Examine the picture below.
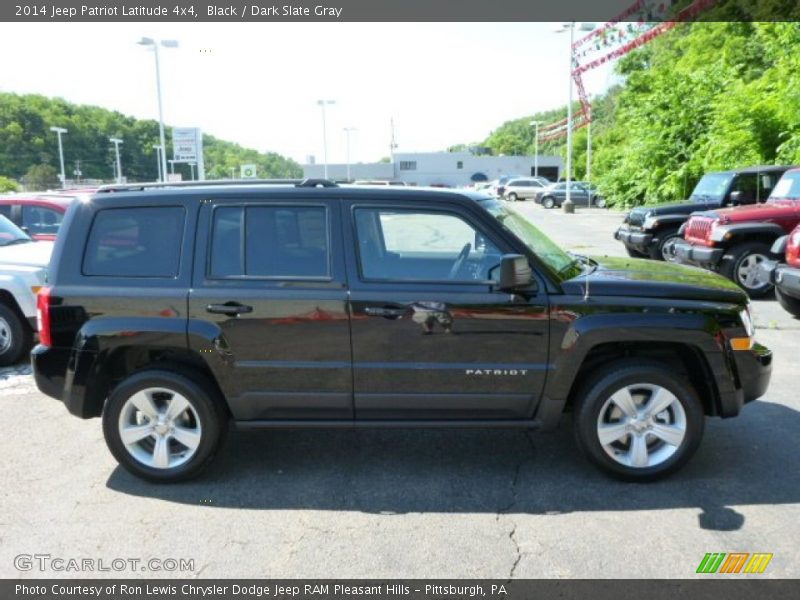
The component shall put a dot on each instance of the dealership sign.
(187, 144)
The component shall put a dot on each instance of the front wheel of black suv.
(638, 420)
(634, 253)
(741, 265)
(164, 426)
(661, 250)
(789, 304)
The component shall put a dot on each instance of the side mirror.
(736, 198)
(515, 273)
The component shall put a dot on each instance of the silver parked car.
(523, 188)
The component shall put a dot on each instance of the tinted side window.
(279, 241)
(747, 184)
(5, 210)
(135, 242)
(40, 219)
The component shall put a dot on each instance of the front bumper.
(701, 256)
(754, 369)
(787, 280)
(637, 240)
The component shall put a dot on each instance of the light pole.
(117, 142)
(568, 205)
(347, 131)
(59, 131)
(322, 104)
(589, 145)
(161, 174)
(536, 148)
(146, 41)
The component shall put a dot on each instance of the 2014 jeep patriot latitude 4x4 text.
(172, 310)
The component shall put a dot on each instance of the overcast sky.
(257, 83)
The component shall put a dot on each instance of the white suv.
(23, 267)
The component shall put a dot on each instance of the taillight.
(793, 249)
(43, 316)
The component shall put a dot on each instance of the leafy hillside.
(26, 142)
(705, 96)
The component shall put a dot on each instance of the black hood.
(652, 279)
(685, 207)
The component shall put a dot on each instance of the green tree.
(41, 177)
(8, 185)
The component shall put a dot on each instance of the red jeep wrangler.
(736, 241)
(786, 276)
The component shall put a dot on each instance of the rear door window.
(283, 242)
(135, 242)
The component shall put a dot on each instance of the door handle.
(229, 308)
(385, 312)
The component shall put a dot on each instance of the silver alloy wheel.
(749, 274)
(600, 202)
(667, 252)
(5, 335)
(641, 425)
(548, 203)
(160, 428)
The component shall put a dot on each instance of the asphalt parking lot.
(347, 504)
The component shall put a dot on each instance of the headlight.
(747, 321)
(650, 222)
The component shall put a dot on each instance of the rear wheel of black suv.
(164, 426)
(789, 304)
(638, 420)
(741, 265)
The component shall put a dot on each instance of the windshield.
(787, 187)
(11, 234)
(559, 262)
(712, 186)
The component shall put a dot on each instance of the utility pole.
(77, 171)
(536, 148)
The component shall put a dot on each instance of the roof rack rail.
(134, 187)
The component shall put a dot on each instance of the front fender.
(726, 232)
(696, 330)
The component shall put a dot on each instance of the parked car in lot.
(581, 193)
(523, 188)
(171, 309)
(39, 215)
(23, 267)
(735, 241)
(784, 273)
(649, 231)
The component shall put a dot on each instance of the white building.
(450, 169)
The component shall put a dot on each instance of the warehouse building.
(447, 169)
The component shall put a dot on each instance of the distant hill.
(26, 141)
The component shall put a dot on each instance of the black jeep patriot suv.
(171, 310)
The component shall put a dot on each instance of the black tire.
(512, 197)
(615, 376)
(548, 202)
(634, 253)
(204, 400)
(16, 336)
(665, 236)
(734, 259)
(789, 304)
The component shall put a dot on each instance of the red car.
(786, 275)
(736, 241)
(38, 214)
